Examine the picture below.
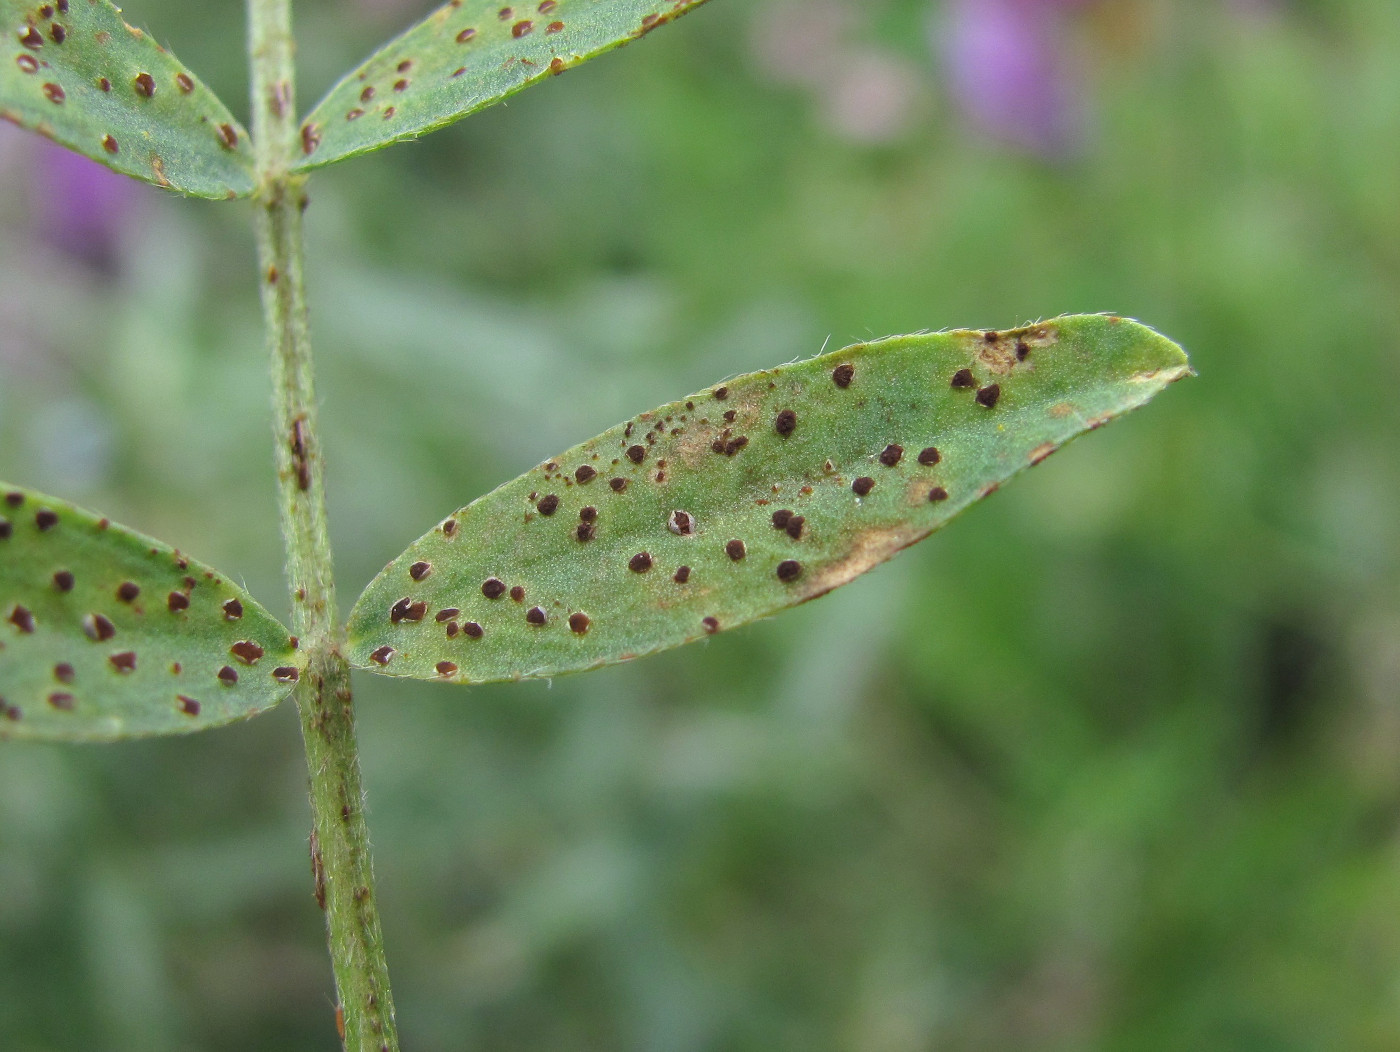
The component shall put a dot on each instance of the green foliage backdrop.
(1111, 763)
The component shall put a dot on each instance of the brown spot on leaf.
(588, 514)
(584, 474)
(127, 591)
(57, 33)
(963, 379)
(794, 527)
(578, 623)
(228, 675)
(536, 616)
(184, 83)
(517, 593)
(988, 395)
(228, 136)
(64, 672)
(420, 570)
(177, 601)
(554, 27)
(636, 454)
(548, 504)
(556, 65)
(446, 614)
(617, 484)
(522, 28)
(640, 563)
(233, 610)
(98, 627)
(842, 375)
(584, 531)
(54, 93)
(789, 570)
(711, 624)
(246, 651)
(862, 486)
(310, 138)
(45, 519)
(891, 455)
(466, 35)
(735, 549)
(781, 517)
(27, 63)
(109, 144)
(929, 457)
(681, 575)
(401, 85)
(187, 705)
(446, 668)
(124, 661)
(681, 523)
(493, 588)
(31, 39)
(63, 580)
(721, 393)
(473, 630)
(61, 700)
(144, 85)
(383, 655)
(785, 423)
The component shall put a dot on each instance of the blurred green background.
(1111, 763)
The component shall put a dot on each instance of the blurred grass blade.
(74, 71)
(755, 495)
(106, 634)
(464, 57)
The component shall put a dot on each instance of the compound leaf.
(465, 56)
(758, 494)
(74, 71)
(106, 634)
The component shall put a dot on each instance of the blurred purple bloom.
(80, 207)
(1008, 71)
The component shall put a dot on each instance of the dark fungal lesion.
(989, 395)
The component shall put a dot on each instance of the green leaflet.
(74, 71)
(465, 56)
(106, 634)
(758, 494)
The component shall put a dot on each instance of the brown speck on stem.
(988, 395)
(962, 379)
(929, 456)
(144, 85)
(862, 486)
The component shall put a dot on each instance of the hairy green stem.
(340, 853)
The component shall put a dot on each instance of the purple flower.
(80, 207)
(1008, 71)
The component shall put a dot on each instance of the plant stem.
(340, 853)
